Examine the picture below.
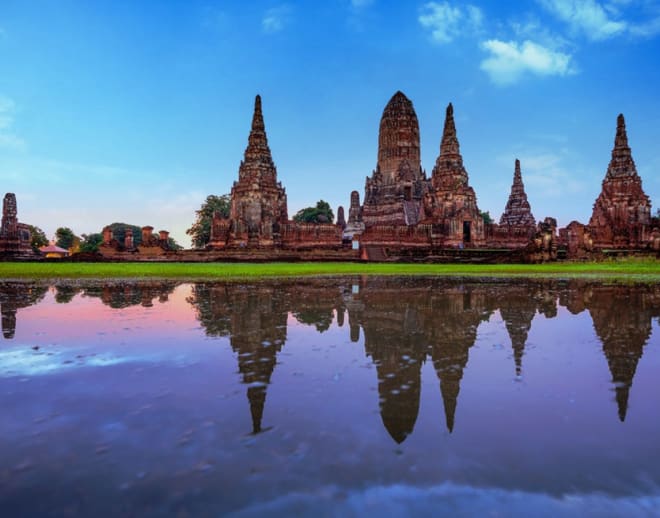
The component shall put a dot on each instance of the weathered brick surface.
(15, 237)
(622, 212)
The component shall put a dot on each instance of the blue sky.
(137, 110)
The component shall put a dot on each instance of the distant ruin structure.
(15, 237)
(149, 245)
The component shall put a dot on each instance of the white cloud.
(276, 18)
(646, 29)
(8, 140)
(588, 17)
(510, 61)
(447, 22)
(7, 107)
(545, 174)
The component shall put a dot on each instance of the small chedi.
(517, 212)
(517, 225)
(149, 246)
(355, 224)
(15, 237)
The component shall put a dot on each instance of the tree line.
(200, 230)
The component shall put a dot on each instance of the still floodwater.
(344, 396)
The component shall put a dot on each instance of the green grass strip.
(639, 270)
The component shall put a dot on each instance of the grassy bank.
(630, 269)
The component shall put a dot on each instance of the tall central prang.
(393, 194)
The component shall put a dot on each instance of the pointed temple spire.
(622, 163)
(621, 147)
(518, 311)
(449, 146)
(622, 318)
(258, 200)
(449, 172)
(622, 212)
(257, 151)
(257, 398)
(449, 390)
(518, 211)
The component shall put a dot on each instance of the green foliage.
(64, 293)
(173, 245)
(119, 232)
(485, 215)
(38, 238)
(322, 213)
(67, 239)
(321, 320)
(200, 231)
(90, 242)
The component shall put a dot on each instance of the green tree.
(171, 242)
(322, 213)
(200, 231)
(485, 215)
(90, 242)
(67, 239)
(38, 238)
(119, 232)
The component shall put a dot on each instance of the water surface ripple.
(330, 397)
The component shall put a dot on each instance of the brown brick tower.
(622, 212)
(394, 192)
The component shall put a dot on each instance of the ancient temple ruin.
(407, 216)
(622, 212)
(258, 219)
(393, 195)
(355, 224)
(15, 237)
(149, 245)
(517, 212)
(451, 203)
(621, 219)
(258, 200)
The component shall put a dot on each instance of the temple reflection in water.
(15, 296)
(401, 322)
(405, 322)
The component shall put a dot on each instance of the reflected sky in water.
(335, 396)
